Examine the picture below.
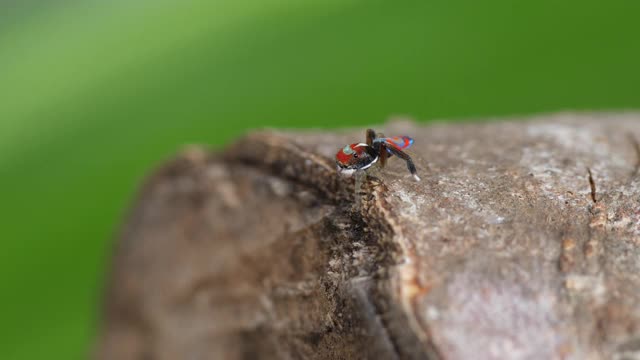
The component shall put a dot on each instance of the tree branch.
(501, 251)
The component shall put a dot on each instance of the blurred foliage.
(94, 94)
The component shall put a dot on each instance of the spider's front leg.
(381, 149)
(370, 136)
(404, 156)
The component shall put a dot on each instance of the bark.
(522, 241)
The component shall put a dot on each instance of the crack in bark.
(636, 148)
(592, 185)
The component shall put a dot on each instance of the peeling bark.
(522, 241)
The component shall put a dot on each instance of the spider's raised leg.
(383, 155)
(404, 156)
(376, 142)
(370, 136)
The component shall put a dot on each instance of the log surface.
(522, 241)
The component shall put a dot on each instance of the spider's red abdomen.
(399, 142)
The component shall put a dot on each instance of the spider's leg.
(370, 136)
(404, 156)
(384, 154)
(378, 148)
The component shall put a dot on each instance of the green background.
(94, 94)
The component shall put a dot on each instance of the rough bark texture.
(504, 250)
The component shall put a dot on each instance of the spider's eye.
(355, 156)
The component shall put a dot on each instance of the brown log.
(522, 241)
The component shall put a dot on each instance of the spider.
(361, 156)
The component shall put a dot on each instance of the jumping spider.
(361, 156)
